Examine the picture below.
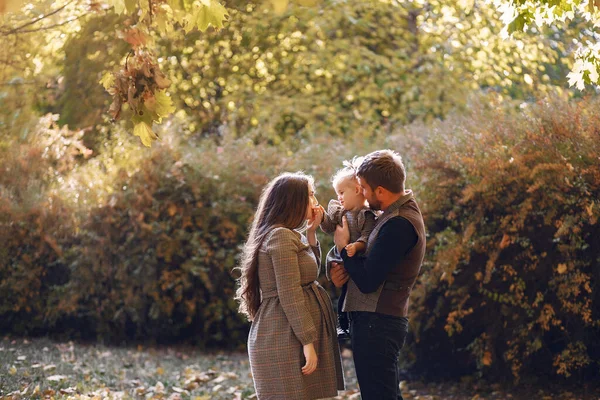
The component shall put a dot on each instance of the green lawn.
(41, 368)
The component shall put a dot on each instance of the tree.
(523, 15)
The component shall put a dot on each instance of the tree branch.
(45, 28)
(36, 20)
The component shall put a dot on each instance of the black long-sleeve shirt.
(395, 239)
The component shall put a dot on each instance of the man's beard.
(374, 204)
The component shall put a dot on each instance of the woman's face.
(312, 202)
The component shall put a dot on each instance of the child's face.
(349, 194)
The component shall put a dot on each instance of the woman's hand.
(315, 219)
(311, 359)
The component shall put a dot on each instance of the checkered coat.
(295, 310)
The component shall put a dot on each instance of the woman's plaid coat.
(295, 310)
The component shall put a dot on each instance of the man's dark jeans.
(376, 343)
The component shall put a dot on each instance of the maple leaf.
(160, 103)
(144, 131)
(108, 80)
(205, 13)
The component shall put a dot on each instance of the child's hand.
(351, 250)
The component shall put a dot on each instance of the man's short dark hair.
(383, 168)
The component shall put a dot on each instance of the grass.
(44, 369)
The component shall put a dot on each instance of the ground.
(42, 368)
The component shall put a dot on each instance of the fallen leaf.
(56, 378)
(69, 390)
(12, 370)
(487, 359)
(219, 379)
(159, 388)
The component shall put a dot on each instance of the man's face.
(369, 194)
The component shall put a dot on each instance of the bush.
(144, 240)
(511, 207)
(34, 223)
(154, 262)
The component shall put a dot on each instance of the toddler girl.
(361, 220)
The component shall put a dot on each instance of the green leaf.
(162, 22)
(119, 6)
(144, 131)
(131, 6)
(205, 13)
(517, 24)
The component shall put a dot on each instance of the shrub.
(511, 207)
(144, 240)
(34, 224)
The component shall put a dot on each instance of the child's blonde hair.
(348, 172)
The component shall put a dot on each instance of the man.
(380, 282)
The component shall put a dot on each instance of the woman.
(292, 345)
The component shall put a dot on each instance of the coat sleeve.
(332, 216)
(282, 246)
(367, 227)
(316, 249)
(395, 239)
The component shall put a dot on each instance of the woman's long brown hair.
(283, 202)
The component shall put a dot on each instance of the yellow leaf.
(562, 268)
(13, 370)
(107, 80)
(160, 370)
(144, 131)
(279, 6)
(160, 103)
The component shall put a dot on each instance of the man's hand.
(341, 237)
(339, 275)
